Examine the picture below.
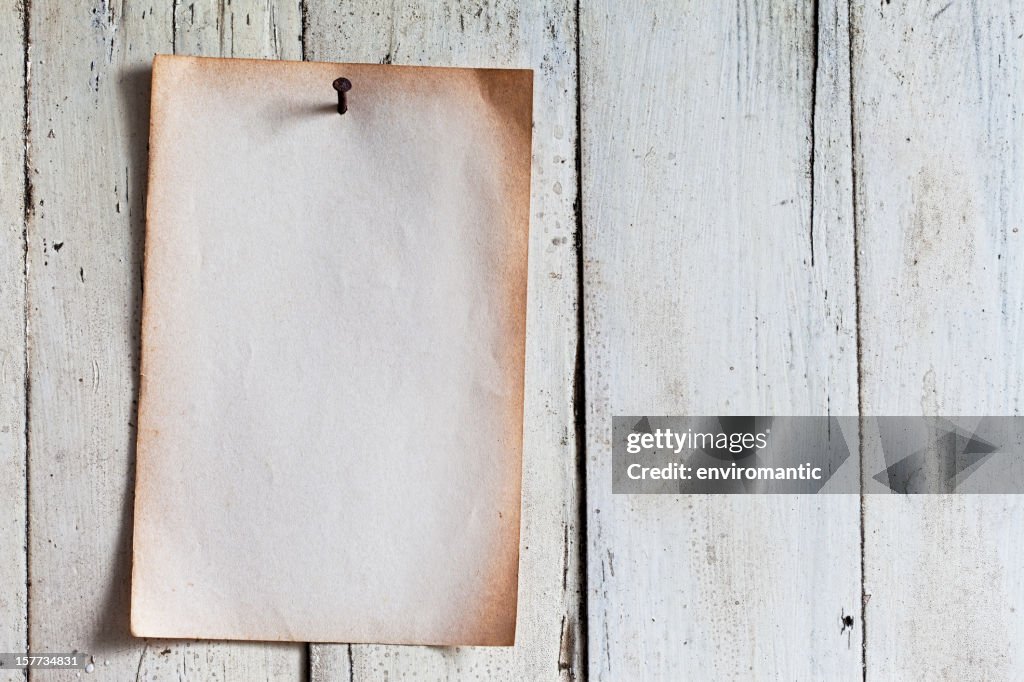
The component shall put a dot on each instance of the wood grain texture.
(713, 284)
(538, 35)
(938, 117)
(270, 29)
(88, 111)
(717, 282)
(13, 591)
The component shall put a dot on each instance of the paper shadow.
(113, 626)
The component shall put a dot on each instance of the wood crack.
(579, 394)
(26, 9)
(142, 658)
(304, 20)
(858, 307)
(174, 26)
(815, 38)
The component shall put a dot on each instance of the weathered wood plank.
(13, 592)
(541, 35)
(709, 289)
(270, 29)
(939, 96)
(88, 109)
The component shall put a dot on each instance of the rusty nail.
(342, 85)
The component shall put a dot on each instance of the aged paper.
(330, 419)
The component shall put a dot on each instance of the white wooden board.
(721, 276)
(701, 297)
(539, 35)
(939, 147)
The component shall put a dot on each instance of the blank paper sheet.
(331, 406)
